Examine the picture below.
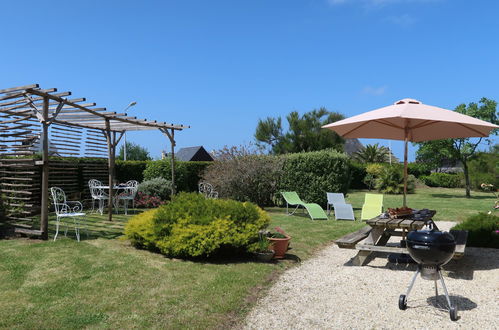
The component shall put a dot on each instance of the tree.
(134, 152)
(434, 154)
(372, 153)
(305, 133)
(464, 150)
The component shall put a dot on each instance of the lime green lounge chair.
(373, 206)
(314, 210)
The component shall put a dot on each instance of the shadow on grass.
(460, 196)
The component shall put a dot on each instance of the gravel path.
(327, 292)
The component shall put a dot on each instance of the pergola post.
(112, 142)
(171, 137)
(110, 166)
(44, 216)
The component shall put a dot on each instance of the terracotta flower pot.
(280, 246)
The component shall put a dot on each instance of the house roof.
(191, 153)
(352, 146)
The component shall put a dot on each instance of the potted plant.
(263, 250)
(280, 242)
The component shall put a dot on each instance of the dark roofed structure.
(194, 154)
(352, 146)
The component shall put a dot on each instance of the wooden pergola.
(23, 105)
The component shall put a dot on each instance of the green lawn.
(451, 204)
(103, 282)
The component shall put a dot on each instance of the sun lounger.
(314, 210)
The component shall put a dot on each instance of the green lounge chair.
(373, 206)
(314, 210)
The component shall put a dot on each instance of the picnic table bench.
(375, 236)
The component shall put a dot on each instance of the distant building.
(352, 146)
(193, 154)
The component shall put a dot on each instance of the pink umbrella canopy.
(411, 120)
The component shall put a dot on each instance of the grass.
(103, 282)
(450, 204)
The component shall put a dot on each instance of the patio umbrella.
(411, 120)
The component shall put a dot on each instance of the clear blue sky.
(219, 66)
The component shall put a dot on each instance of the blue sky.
(219, 66)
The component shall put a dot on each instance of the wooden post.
(405, 166)
(111, 155)
(171, 137)
(172, 140)
(44, 216)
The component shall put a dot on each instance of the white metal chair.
(66, 209)
(207, 190)
(342, 210)
(98, 194)
(127, 194)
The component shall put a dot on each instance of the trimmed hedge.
(313, 174)
(187, 174)
(481, 230)
(418, 169)
(194, 226)
(130, 170)
(444, 180)
(357, 174)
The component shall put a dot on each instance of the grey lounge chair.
(342, 210)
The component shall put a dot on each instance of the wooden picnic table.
(375, 236)
(384, 228)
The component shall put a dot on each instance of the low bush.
(482, 230)
(373, 171)
(444, 180)
(193, 226)
(391, 181)
(313, 174)
(147, 201)
(484, 169)
(418, 169)
(248, 178)
(156, 187)
(140, 230)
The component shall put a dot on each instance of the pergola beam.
(30, 103)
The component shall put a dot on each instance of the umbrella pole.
(405, 169)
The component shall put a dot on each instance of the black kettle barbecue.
(431, 249)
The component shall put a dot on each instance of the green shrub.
(130, 170)
(187, 174)
(418, 169)
(249, 178)
(444, 180)
(193, 226)
(484, 169)
(357, 175)
(312, 174)
(481, 230)
(140, 230)
(373, 171)
(391, 180)
(157, 187)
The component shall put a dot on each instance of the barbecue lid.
(430, 237)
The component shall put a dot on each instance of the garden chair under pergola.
(27, 114)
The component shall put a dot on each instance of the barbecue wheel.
(403, 302)
(453, 313)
